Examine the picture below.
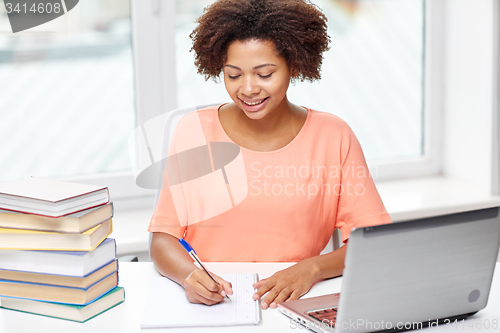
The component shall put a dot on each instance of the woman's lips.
(254, 105)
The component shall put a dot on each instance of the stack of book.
(55, 257)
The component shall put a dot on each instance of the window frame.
(496, 101)
(152, 22)
(430, 163)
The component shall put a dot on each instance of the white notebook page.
(167, 305)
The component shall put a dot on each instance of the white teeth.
(251, 104)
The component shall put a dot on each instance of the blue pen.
(193, 255)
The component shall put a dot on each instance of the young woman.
(305, 173)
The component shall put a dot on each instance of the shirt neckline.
(302, 129)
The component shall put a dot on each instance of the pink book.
(49, 197)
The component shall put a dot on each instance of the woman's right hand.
(200, 288)
(172, 261)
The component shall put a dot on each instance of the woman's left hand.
(288, 284)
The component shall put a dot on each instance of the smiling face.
(256, 78)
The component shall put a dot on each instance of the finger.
(215, 296)
(295, 295)
(258, 284)
(208, 283)
(269, 298)
(264, 288)
(189, 279)
(199, 276)
(200, 283)
(282, 296)
(194, 297)
(226, 285)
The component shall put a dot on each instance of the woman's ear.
(295, 73)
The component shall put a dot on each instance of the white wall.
(470, 92)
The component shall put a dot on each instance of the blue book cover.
(70, 263)
(60, 279)
(58, 294)
(78, 313)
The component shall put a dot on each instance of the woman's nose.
(250, 87)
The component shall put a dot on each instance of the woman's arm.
(295, 281)
(172, 261)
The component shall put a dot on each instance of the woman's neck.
(274, 131)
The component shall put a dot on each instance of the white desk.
(135, 278)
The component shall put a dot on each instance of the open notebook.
(167, 305)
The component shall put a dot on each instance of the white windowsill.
(130, 229)
(403, 199)
(423, 197)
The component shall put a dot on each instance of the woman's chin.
(255, 115)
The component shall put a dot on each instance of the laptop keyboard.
(326, 316)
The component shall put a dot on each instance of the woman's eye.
(266, 76)
(233, 76)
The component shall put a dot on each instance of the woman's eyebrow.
(263, 65)
(256, 67)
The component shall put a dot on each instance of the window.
(67, 87)
(67, 97)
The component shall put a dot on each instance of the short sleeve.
(165, 216)
(359, 204)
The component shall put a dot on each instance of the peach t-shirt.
(235, 204)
